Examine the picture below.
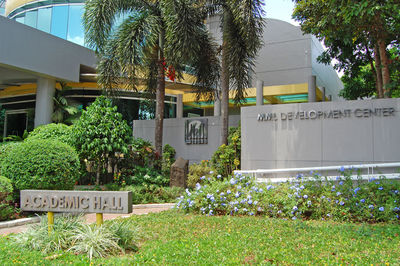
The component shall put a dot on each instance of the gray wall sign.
(196, 131)
(320, 134)
(336, 114)
(76, 201)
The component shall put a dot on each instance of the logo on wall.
(196, 131)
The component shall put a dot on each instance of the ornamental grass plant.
(315, 197)
(71, 234)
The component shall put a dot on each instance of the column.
(217, 105)
(44, 101)
(259, 92)
(312, 84)
(323, 94)
(179, 106)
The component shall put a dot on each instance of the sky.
(280, 9)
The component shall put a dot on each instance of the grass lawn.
(178, 239)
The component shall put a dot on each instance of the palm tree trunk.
(224, 84)
(224, 98)
(160, 96)
(379, 83)
(385, 68)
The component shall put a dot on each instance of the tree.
(355, 33)
(359, 82)
(157, 38)
(242, 30)
(100, 133)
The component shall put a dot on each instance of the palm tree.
(242, 29)
(63, 112)
(156, 38)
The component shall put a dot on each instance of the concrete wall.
(174, 135)
(36, 52)
(321, 141)
(285, 56)
(326, 75)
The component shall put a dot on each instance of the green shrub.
(52, 131)
(143, 153)
(197, 171)
(168, 158)
(7, 209)
(226, 158)
(342, 200)
(5, 147)
(41, 164)
(153, 194)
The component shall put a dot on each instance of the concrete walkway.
(91, 217)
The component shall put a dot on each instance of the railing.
(362, 171)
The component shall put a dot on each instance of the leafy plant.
(41, 164)
(168, 158)
(63, 112)
(100, 134)
(153, 194)
(95, 241)
(60, 132)
(70, 233)
(226, 158)
(343, 199)
(197, 172)
(7, 209)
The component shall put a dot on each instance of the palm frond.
(100, 16)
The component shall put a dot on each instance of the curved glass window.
(44, 19)
(59, 21)
(31, 18)
(62, 18)
(75, 27)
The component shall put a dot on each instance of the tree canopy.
(356, 33)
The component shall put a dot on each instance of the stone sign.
(179, 173)
(76, 201)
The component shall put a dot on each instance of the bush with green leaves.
(142, 153)
(101, 134)
(71, 234)
(7, 146)
(53, 131)
(197, 171)
(41, 164)
(168, 158)
(226, 158)
(7, 209)
(153, 194)
(344, 199)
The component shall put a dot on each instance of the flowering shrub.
(377, 200)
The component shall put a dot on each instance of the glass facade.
(60, 18)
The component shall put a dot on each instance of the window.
(44, 19)
(59, 21)
(75, 27)
(31, 18)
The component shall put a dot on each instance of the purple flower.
(341, 203)
(305, 196)
(228, 192)
(341, 169)
(362, 200)
(294, 208)
(381, 209)
(338, 194)
(371, 206)
(380, 188)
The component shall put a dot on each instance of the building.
(45, 43)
